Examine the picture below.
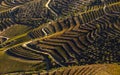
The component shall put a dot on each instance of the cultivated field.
(59, 37)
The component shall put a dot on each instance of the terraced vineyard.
(59, 37)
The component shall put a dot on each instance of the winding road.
(47, 5)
